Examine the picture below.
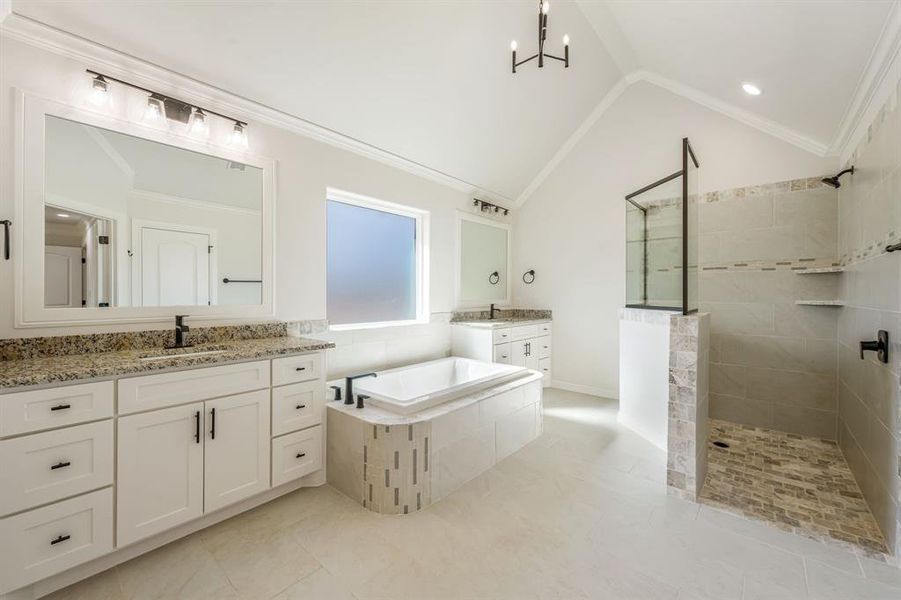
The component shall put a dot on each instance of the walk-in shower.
(662, 240)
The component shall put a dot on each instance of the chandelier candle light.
(543, 8)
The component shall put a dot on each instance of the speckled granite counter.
(500, 323)
(79, 367)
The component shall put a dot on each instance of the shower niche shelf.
(820, 302)
(820, 270)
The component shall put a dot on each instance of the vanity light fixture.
(99, 90)
(543, 7)
(156, 108)
(487, 206)
(198, 122)
(238, 137)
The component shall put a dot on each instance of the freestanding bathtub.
(407, 390)
(427, 429)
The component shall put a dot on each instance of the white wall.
(305, 169)
(572, 229)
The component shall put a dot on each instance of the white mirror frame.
(505, 300)
(30, 117)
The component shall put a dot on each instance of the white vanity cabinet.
(526, 345)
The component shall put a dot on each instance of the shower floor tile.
(800, 484)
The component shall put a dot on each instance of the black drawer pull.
(213, 424)
(197, 427)
(60, 465)
(61, 538)
(301, 455)
(60, 407)
(300, 369)
(301, 406)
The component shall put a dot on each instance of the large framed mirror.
(129, 223)
(483, 261)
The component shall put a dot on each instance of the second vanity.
(522, 342)
(105, 456)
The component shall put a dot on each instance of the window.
(376, 262)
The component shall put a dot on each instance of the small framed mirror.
(483, 261)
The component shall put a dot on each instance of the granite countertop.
(78, 367)
(375, 415)
(501, 323)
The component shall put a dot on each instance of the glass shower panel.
(636, 291)
(664, 246)
(692, 198)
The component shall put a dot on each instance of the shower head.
(834, 181)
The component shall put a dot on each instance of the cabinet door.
(531, 352)
(160, 471)
(518, 353)
(236, 462)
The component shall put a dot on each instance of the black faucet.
(493, 310)
(349, 386)
(181, 330)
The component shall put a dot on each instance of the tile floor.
(802, 484)
(580, 513)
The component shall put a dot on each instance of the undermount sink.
(170, 353)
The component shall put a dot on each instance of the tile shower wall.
(773, 362)
(869, 399)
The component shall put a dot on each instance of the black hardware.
(349, 386)
(542, 37)
(181, 340)
(197, 427)
(60, 465)
(528, 348)
(893, 247)
(103, 240)
(6, 223)
(879, 346)
(227, 280)
(720, 444)
(494, 278)
(834, 181)
(300, 369)
(360, 398)
(492, 309)
(487, 206)
(171, 103)
(300, 406)
(60, 407)
(212, 423)
(103, 305)
(531, 274)
(301, 455)
(337, 391)
(59, 539)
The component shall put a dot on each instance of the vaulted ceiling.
(431, 82)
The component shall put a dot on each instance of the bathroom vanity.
(106, 456)
(522, 342)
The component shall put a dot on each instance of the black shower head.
(834, 181)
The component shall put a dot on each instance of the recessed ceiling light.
(63, 215)
(751, 89)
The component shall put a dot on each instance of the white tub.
(410, 389)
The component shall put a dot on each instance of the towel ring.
(531, 274)
(494, 278)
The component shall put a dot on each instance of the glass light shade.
(99, 91)
(155, 111)
(199, 125)
(238, 138)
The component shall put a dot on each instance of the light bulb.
(238, 137)
(566, 40)
(513, 45)
(545, 6)
(99, 91)
(155, 110)
(198, 122)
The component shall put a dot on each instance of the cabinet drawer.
(49, 540)
(544, 329)
(168, 389)
(297, 406)
(544, 365)
(23, 412)
(523, 332)
(294, 369)
(501, 336)
(44, 467)
(543, 344)
(503, 353)
(296, 454)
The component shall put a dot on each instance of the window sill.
(380, 325)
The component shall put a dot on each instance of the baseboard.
(612, 394)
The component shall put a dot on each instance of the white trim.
(612, 394)
(876, 84)
(124, 66)
(29, 116)
(182, 201)
(461, 216)
(571, 142)
(423, 260)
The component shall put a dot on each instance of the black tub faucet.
(349, 386)
(181, 331)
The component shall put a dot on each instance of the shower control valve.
(879, 346)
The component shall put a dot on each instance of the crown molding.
(606, 102)
(875, 85)
(120, 64)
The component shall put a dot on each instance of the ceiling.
(430, 80)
